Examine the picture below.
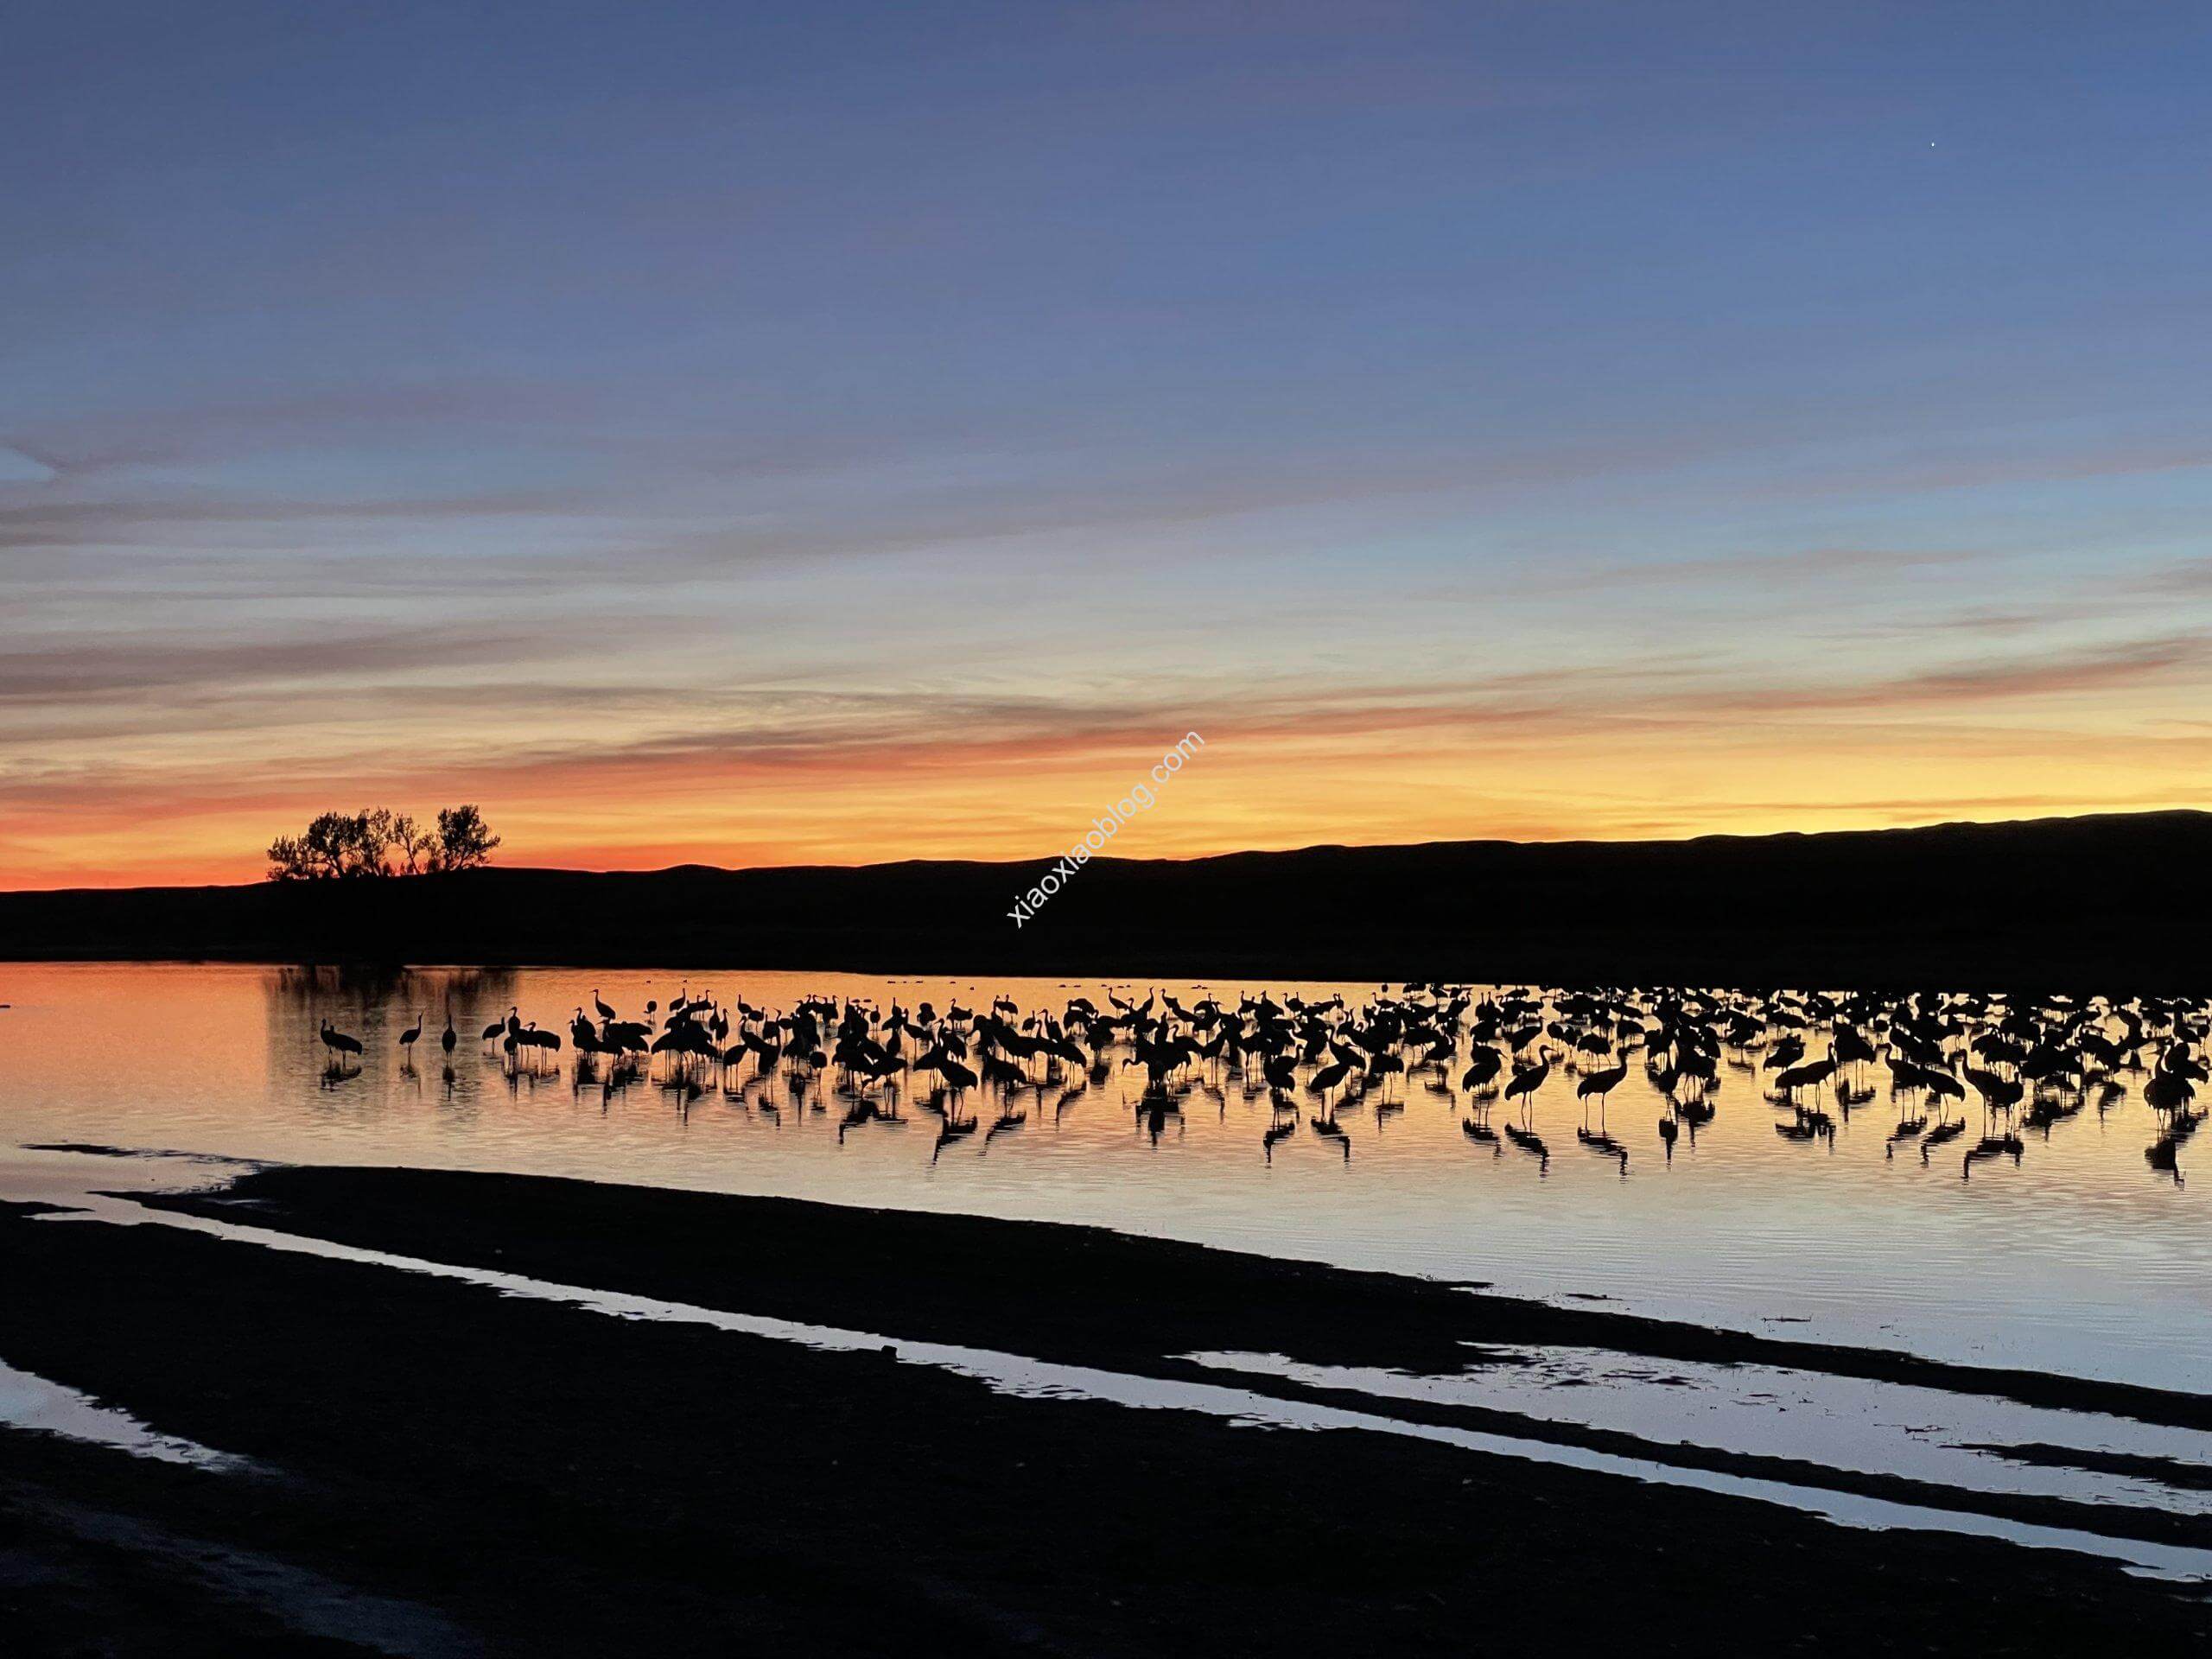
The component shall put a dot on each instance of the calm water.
(2082, 1259)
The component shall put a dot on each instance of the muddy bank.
(1082, 1294)
(1090, 1296)
(86, 1569)
(527, 1477)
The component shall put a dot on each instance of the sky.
(754, 435)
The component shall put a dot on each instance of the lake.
(2080, 1258)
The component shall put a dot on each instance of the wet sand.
(455, 1471)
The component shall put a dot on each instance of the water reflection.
(1967, 1443)
(1623, 1146)
(42, 1408)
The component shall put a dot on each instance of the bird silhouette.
(339, 1044)
(1526, 1079)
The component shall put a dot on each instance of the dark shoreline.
(2108, 904)
(1087, 1294)
(553, 1481)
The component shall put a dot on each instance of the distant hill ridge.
(2115, 902)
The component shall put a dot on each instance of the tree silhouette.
(376, 842)
(464, 841)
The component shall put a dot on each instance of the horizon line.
(2144, 814)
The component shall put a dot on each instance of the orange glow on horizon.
(1402, 776)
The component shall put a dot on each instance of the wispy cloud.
(134, 667)
(131, 525)
(1794, 566)
(625, 440)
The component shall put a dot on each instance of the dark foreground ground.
(450, 1471)
(2112, 904)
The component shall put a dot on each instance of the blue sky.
(1505, 415)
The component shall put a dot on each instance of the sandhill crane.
(1602, 1084)
(1329, 1076)
(1811, 1074)
(339, 1043)
(1526, 1079)
(2030, 1062)
(1484, 1065)
(1998, 1094)
(2168, 1090)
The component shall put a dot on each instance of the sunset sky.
(842, 432)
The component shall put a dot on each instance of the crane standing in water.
(339, 1044)
(2039, 1058)
(1526, 1079)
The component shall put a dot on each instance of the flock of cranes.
(2028, 1064)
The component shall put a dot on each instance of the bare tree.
(376, 841)
(464, 840)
